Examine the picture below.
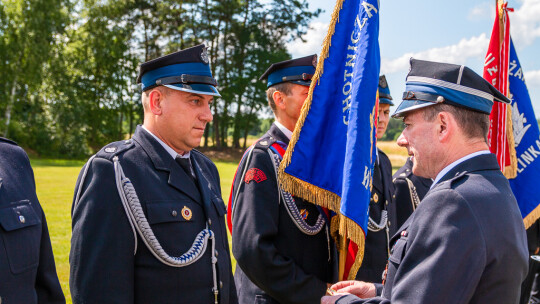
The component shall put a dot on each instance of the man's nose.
(402, 141)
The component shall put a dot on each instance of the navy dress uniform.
(465, 243)
(382, 210)
(409, 190)
(27, 269)
(146, 230)
(281, 243)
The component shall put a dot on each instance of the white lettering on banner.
(370, 9)
(528, 157)
(367, 177)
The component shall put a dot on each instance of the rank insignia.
(186, 213)
(304, 213)
(110, 149)
(375, 197)
(254, 174)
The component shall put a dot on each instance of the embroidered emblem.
(519, 125)
(254, 174)
(304, 213)
(110, 150)
(375, 197)
(204, 56)
(186, 213)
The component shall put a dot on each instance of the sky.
(453, 31)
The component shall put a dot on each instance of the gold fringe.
(314, 81)
(510, 171)
(355, 234)
(532, 217)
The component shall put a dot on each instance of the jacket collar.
(163, 161)
(276, 133)
(477, 163)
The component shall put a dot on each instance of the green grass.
(55, 182)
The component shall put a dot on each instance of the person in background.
(27, 269)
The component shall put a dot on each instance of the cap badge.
(186, 213)
(382, 82)
(204, 56)
(314, 62)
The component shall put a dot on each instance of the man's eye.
(196, 101)
(405, 125)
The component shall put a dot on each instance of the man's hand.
(358, 288)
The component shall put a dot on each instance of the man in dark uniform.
(148, 218)
(465, 243)
(409, 190)
(281, 244)
(382, 209)
(27, 270)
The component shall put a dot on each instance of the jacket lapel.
(163, 161)
(204, 185)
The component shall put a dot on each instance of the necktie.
(186, 165)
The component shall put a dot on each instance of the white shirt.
(283, 129)
(166, 147)
(457, 162)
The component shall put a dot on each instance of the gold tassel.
(356, 235)
(510, 171)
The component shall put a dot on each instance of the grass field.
(55, 182)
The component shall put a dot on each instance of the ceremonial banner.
(527, 142)
(330, 158)
(500, 135)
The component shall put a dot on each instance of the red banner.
(500, 137)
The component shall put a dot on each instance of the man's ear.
(446, 125)
(278, 99)
(155, 98)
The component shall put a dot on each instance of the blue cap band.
(149, 78)
(277, 76)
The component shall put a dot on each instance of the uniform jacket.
(377, 242)
(465, 243)
(27, 270)
(402, 180)
(276, 262)
(104, 268)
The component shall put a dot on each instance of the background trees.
(68, 68)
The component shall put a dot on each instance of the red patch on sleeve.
(254, 174)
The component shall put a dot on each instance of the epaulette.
(9, 141)
(115, 148)
(402, 174)
(265, 142)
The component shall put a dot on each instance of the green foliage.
(68, 68)
(395, 126)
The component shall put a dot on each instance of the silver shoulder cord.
(291, 207)
(135, 214)
(415, 199)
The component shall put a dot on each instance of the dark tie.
(186, 165)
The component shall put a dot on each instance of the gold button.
(220, 285)
(209, 222)
(394, 196)
(216, 253)
(389, 223)
(174, 213)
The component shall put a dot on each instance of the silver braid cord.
(374, 226)
(415, 199)
(136, 216)
(291, 207)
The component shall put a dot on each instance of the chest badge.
(186, 213)
(375, 197)
(304, 213)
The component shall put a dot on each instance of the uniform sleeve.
(255, 227)
(444, 239)
(102, 244)
(47, 285)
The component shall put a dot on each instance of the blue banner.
(527, 140)
(331, 155)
